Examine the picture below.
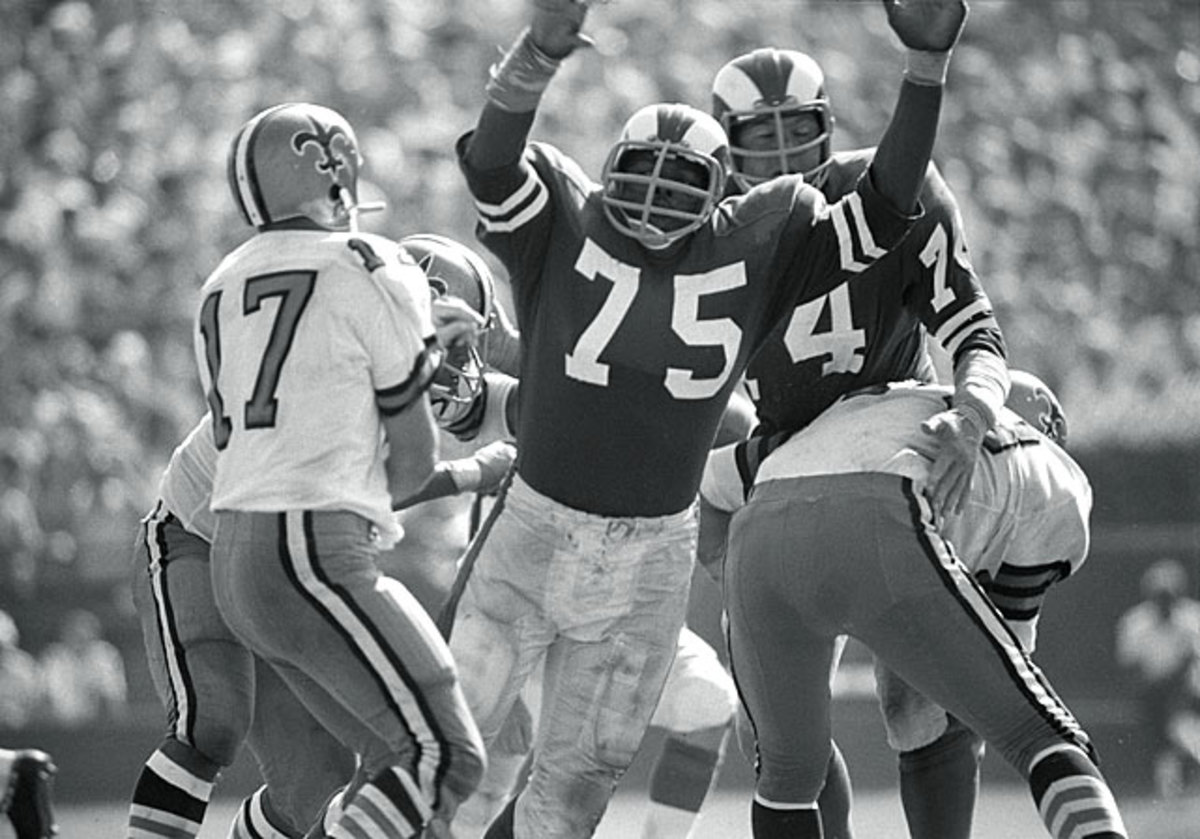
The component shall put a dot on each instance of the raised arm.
(929, 30)
(516, 83)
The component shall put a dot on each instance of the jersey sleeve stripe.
(850, 221)
(393, 400)
(517, 209)
(953, 331)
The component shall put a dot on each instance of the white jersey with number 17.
(305, 340)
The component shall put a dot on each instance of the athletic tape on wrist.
(926, 68)
(516, 83)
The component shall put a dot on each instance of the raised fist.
(556, 26)
(927, 25)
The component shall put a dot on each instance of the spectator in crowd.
(1158, 643)
(21, 535)
(20, 682)
(83, 675)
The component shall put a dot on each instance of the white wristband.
(926, 68)
(465, 473)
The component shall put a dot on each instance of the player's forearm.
(898, 168)
(981, 383)
(502, 345)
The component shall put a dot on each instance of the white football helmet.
(772, 84)
(665, 175)
(1033, 401)
(296, 161)
(454, 270)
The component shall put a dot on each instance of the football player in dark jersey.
(774, 106)
(640, 300)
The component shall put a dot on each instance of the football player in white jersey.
(838, 537)
(216, 692)
(316, 349)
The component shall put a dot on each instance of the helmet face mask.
(296, 164)
(664, 177)
(454, 270)
(772, 103)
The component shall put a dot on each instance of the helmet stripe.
(244, 174)
(673, 123)
(771, 70)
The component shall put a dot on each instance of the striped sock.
(1072, 797)
(172, 793)
(390, 804)
(253, 820)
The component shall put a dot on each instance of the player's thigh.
(202, 674)
(780, 661)
(303, 590)
(500, 634)
(300, 759)
(942, 635)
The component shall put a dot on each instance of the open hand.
(455, 321)
(959, 439)
(927, 25)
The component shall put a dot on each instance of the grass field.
(1003, 813)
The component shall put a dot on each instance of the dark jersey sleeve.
(516, 210)
(951, 301)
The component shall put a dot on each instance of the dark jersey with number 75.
(872, 330)
(629, 355)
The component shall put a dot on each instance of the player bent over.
(838, 537)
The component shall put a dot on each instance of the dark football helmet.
(663, 178)
(1033, 401)
(454, 270)
(771, 85)
(296, 161)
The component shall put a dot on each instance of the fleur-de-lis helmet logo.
(323, 137)
(295, 162)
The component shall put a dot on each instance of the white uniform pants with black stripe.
(812, 558)
(302, 590)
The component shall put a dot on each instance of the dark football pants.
(215, 692)
(810, 558)
(302, 589)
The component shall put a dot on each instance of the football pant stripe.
(959, 582)
(365, 639)
(178, 678)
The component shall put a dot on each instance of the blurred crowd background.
(1070, 135)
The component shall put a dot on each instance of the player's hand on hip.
(455, 321)
(959, 438)
(927, 25)
(556, 26)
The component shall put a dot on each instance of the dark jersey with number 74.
(629, 355)
(872, 330)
